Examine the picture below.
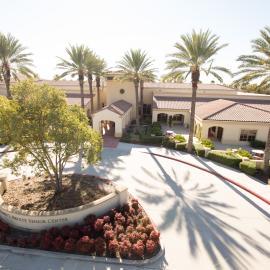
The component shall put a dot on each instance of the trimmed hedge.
(248, 167)
(257, 144)
(224, 158)
(180, 138)
(199, 150)
(168, 143)
(155, 140)
(208, 143)
(181, 146)
(156, 129)
(244, 153)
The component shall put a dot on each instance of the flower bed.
(125, 233)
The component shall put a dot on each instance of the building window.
(247, 135)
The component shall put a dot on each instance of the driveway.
(205, 223)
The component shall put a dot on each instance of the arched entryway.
(162, 117)
(107, 128)
(215, 133)
(178, 119)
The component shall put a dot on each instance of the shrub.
(138, 249)
(58, 243)
(113, 247)
(153, 140)
(119, 229)
(149, 228)
(244, 153)
(106, 219)
(248, 167)
(135, 204)
(150, 247)
(124, 248)
(54, 232)
(140, 229)
(74, 234)
(134, 237)
(3, 236)
(107, 227)
(65, 231)
(180, 138)
(168, 143)
(154, 235)
(224, 158)
(85, 230)
(119, 218)
(145, 221)
(70, 245)
(99, 225)
(109, 235)
(4, 227)
(257, 144)
(46, 241)
(208, 143)
(21, 242)
(199, 150)
(181, 146)
(34, 240)
(90, 220)
(100, 246)
(85, 245)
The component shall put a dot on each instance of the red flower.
(109, 235)
(99, 225)
(151, 246)
(58, 243)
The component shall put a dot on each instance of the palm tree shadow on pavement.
(196, 213)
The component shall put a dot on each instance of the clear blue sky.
(110, 27)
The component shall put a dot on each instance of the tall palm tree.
(256, 67)
(194, 55)
(90, 64)
(99, 72)
(134, 66)
(13, 61)
(75, 65)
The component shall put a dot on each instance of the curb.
(216, 174)
(69, 256)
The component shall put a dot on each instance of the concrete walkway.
(205, 223)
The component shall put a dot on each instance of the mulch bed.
(38, 193)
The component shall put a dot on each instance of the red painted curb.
(216, 174)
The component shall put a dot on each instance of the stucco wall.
(121, 122)
(113, 93)
(186, 114)
(232, 130)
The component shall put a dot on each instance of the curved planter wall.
(37, 221)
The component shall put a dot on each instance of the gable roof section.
(226, 110)
(119, 107)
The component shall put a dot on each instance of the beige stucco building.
(222, 113)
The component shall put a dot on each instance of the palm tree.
(256, 67)
(194, 52)
(75, 65)
(13, 61)
(90, 64)
(99, 71)
(135, 66)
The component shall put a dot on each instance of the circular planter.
(40, 220)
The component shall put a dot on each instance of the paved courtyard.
(205, 223)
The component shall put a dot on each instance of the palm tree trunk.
(136, 84)
(90, 83)
(141, 93)
(7, 77)
(267, 155)
(195, 79)
(81, 81)
(98, 91)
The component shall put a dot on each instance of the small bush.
(208, 143)
(248, 167)
(168, 143)
(257, 144)
(156, 129)
(70, 245)
(199, 150)
(181, 146)
(151, 247)
(85, 245)
(153, 140)
(244, 153)
(180, 138)
(224, 158)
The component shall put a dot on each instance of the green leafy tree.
(14, 61)
(194, 55)
(136, 66)
(75, 65)
(256, 66)
(45, 131)
(99, 72)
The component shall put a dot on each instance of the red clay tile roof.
(75, 98)
(226, 110)
(120, 107)
(201, 86)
